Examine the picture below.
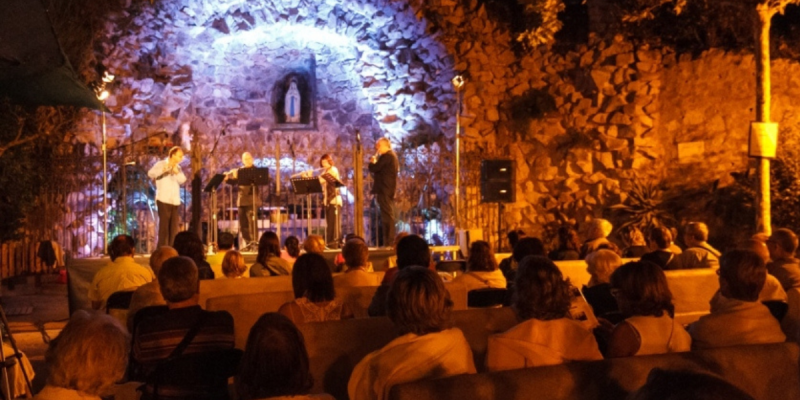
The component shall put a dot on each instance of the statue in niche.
(293, 100)
(292, 103)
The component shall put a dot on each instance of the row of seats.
(248, 299)
(766, 372)
(247, 308)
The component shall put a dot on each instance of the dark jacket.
(384, 173)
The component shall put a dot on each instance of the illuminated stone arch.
(377, 68)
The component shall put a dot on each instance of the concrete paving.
(46, 299)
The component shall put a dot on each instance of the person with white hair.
(597, 232)
(600, 265)
(698, 253)
(86, 359)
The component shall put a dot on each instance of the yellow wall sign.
(763, 139)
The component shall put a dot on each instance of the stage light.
(458, 82)
(103, 95)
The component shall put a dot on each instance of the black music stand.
(254, 177)
(307, 187)
(211, 188)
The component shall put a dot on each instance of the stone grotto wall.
(583, 125)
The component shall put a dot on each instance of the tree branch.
(18, 141)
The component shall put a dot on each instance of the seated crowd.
(629, 311)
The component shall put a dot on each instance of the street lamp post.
(458, 83)
(102, 95)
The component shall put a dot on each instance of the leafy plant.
(644, 208)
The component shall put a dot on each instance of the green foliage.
(645, 208)
(546, 25)
(25, 168)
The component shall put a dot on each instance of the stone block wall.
(583, 124)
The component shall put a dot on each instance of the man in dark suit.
(384, 167)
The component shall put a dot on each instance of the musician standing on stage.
(169, 178)
(384, 167)
(333, 201)
(246, 205)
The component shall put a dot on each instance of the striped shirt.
(156, 337)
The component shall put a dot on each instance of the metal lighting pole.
(102, 95)
(105, 184)
(458, 83)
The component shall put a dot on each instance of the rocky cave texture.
(583, 125)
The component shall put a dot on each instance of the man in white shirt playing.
(169, 178)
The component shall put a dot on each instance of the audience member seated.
(412, 250)
(636, 245)
(645, 301)
(356, 257)
(773, 290)
(508, 263)
(528, 246)
(391, 261)
(569, 245)
(86, 359)
(188, 244)
(596, 236)
(291, 249)
(149, 294)
(597, 292)
(687, 385)
(156, 338)
(737, 317)
(784, 266)
(233, 265)
(224, 243)
(698, 253)
(268, 260)
(339, 264)
(315, 297)
(419, 306)
(121, 274)
(547, 335)
(482, 271)
(275, 362)
(314, 244)
(661, 243)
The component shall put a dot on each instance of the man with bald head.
(246, 201)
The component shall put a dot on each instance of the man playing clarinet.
(384, 167)
(169, 178)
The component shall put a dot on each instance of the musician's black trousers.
(332, 220)
(386, 204)
(245, 223)
(167, 223)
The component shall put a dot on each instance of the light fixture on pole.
(102, 94)
(458, 84)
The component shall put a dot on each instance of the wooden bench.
(766, 372)
(335, 347)
(692, 289)
(229, 287)
(248, 307)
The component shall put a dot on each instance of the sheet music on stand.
(332, 179)
(214, 183)
(253, 176)
(305, 186)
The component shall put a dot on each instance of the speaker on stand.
(497, 186)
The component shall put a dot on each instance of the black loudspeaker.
(497, 181)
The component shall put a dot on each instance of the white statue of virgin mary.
(292, 103)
